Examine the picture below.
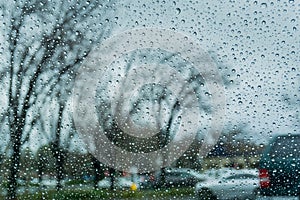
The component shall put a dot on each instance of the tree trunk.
(14, 166)
(41, 166)
(58, 152)
(99, 172)
(162, 183)
(112, 178)
(59, 162)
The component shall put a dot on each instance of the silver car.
(232, 184)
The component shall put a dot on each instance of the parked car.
(177, 177)
(233, 184)
(218, 173)
(123, 183)
(146, 181)
(279, 167)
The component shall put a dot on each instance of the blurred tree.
(233, 144)
(44, 40)
(191, 158)
(99, 170)
(154, 106)
(45, 162)
(27, 161)
(78, 165)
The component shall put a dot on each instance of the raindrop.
(207, 93)
(264, 5)
(178, 11)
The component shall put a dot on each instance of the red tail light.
(264, 178)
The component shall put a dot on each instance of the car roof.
(287, 135)
(224, 172)
(180, 170)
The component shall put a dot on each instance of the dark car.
(177, 177)
(279, 167)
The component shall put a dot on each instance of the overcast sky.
(258, 40)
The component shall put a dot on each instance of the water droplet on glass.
(264, 5)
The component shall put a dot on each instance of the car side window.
(242, 176)
(286, 147)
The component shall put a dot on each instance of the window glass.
(287, 147)
(153, 99)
